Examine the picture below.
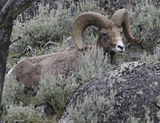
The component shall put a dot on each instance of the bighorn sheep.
(109, 38)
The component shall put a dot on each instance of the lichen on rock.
(137, 88)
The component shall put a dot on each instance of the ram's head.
(109, 31)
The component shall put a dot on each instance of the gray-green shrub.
(150, 58)
(25, 114)
(92, 110)
(145, 22)
(55, 90)
(92, 64)
(13, 91)
(89, 5)
(158, 104)
(46, 26)
(87, 112)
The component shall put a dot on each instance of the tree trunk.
(9, 10)
(5, 34)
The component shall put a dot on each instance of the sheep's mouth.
(120, 52)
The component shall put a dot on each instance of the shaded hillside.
(108, 5)
(137, 87)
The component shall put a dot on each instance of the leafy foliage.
(13, 91)
(145, 22)
(25, 114)
(92, 110)
(92, 64)
(150, 58)
(158, 104)
(55, 90)
(87, 112)
(46, 26)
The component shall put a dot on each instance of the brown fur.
(29, 70)
(107, 43)
(106, 40)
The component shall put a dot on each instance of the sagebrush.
(55, 90)
(23, 114)
(13, 91)
(145, 22)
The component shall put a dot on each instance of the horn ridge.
(83, 21)
(121, 19)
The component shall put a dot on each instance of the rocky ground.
(137, 87)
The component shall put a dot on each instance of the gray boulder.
(137, 87)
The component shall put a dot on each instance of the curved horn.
(121, 19)
(83, 21)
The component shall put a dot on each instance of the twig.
(24, 52)
(16, 40)
(50, 42)
(19, 121)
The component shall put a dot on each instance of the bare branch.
(2, 2)
(12, 8)
(6, 10)
(20, 7)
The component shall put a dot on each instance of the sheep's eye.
(103, 34)
(106, 36)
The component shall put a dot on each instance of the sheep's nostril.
(121, 47)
